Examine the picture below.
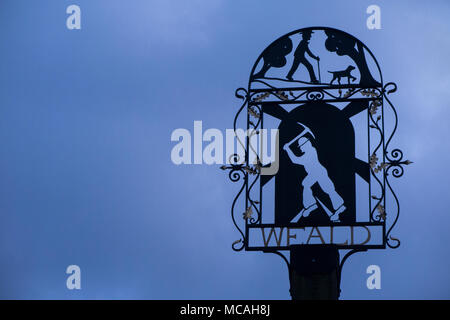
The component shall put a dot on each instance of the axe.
(277, 111)
(305, 131)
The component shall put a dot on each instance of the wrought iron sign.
(330, 181)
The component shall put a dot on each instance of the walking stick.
(318, 67)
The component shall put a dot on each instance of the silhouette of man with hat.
(299, 57)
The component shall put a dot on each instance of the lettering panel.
(273, 237)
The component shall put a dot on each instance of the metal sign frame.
(371, 94)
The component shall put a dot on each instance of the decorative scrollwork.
(236, 168)
(235, 175)
(237, 172)
(373, 163)
(315, 95)
(240, 168)
(238, 94)
(390, 245)
(394, 163)
(235, 243)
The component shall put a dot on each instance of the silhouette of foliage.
(344, 45)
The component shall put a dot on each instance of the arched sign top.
(297, 59)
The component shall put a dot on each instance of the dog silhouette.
(343, 74)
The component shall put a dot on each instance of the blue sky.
(85, 123)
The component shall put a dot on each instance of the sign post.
(325, 184)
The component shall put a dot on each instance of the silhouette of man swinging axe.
(304, 142)
(299, 57)
(315, 173)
